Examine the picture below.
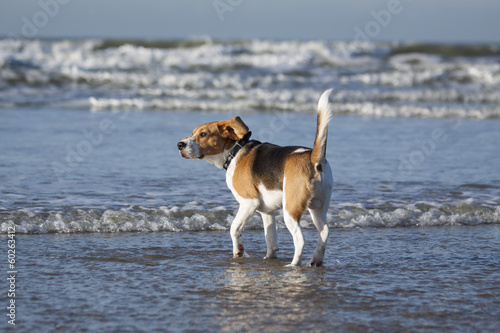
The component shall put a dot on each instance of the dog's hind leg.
(318, 208)
(246, 210)
(319, 219)
(298, 239)
(294, 205)
(270, 233)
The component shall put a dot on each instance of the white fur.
(270, 200)
(325, 108)
(192, 149)
(229, 181)
(270, 234)
(325, 114)
(219, 159)
(300, 150)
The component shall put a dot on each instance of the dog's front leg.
(270, 233)
(246, 210)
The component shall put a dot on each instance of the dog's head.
(212, 138)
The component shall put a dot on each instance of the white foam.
(194, 216)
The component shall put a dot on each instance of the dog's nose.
(181, 145)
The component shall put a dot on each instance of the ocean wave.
(194, 217)
(257, 75)
(450, 50)
(244, 106)
(153, 44)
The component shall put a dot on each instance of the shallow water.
(424, 279)
(128, 175)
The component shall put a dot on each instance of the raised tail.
(325, 113)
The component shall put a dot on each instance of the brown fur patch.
(234, 129)
(243, 182)
(298, 173)
(207, 136)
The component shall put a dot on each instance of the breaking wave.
(194, 217)
(391, 79)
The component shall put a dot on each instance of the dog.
(264, 177)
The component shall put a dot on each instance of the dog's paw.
(271, 254)
(270, 257)
(315, 262)
(243, 254)
(293, 265)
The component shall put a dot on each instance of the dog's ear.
(234, 129)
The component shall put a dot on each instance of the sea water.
(114, 231)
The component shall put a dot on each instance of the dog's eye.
(203, 134)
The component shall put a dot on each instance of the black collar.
(239, 144)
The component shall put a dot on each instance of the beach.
(114, 232)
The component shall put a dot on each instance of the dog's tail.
(325, 113)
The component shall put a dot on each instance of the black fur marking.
(271, 164)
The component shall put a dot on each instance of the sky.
(448, 21)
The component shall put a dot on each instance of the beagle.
(264, 177)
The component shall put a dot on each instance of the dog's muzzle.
(181, 145)
(187, 152)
